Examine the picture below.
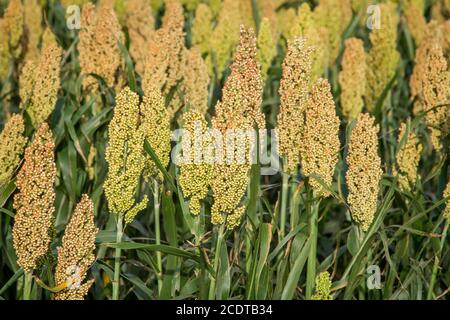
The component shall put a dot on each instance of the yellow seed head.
(166, 56)
(141, 25)
(98, 50)
(239, 109)
(436, 95)
(364, 170)
(124, 155)
(4, 51)
(195, 172)
(323, 286)
(447, 205)
(202, 28)
(319, 146)
(14, 21)
(155, 124)
(352, 78)
(415, 19)
(33, 28)
(266, 47)
(46, 85)
(225, 36)
(76, 253)
(12, 144)
(383, 57)
(408, 157)
(195, 83)
(34, 203)
(26, 81)
(334, 16)
(294, 87)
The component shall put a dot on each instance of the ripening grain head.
(294, 87)
(155, 124)
(364, 170)
(323, 286)
(352, 78)
(447, 203)
(202, 28)
(125, 158)
(320, 144)
(33, 28)
(46, 85)
(98, 49)
(383, 57)
(76, 253)
(195, 84)
(195, 176)
(266, 47)
(225, 36)
(436, 95)
(166, 56)
(240, 108)
(407, 158)
(12, 144)
(141, 25)
(14, 22)
(415, 20)
(34, 203)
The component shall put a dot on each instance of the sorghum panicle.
(141, 26)
(436, 96)
(98, 48)
(352, 78)
(125, 158)
(166, 56)
(266, 47)
(320, 145)
(294, 87)
(383, 57)
(225, 36)
(46, 85)
(12, 145)
(407, 158)
(76, 253)
(202, 28)
(323, 286)
(34, 203)
(32, 28)
(195, 171)
(195, 84)
(239, 109)
(155, 124)
(364, 170)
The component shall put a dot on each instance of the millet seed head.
(364, 170)
(34, 203)
(12, 145)
(76, 253)
(352, 78)
(319, 146)
(124, 155)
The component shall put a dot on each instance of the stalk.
(212, 285)
(311, 268)
(116, 280)
(157, 231)
(28, 280)
(284, 196)
(436, 263)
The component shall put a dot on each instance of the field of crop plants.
(224, 149)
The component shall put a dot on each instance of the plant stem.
(284, 196)
(28, 280)
(311, 268)
(116, 280)
(436, 263)
(212, 285)
(157, 231)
